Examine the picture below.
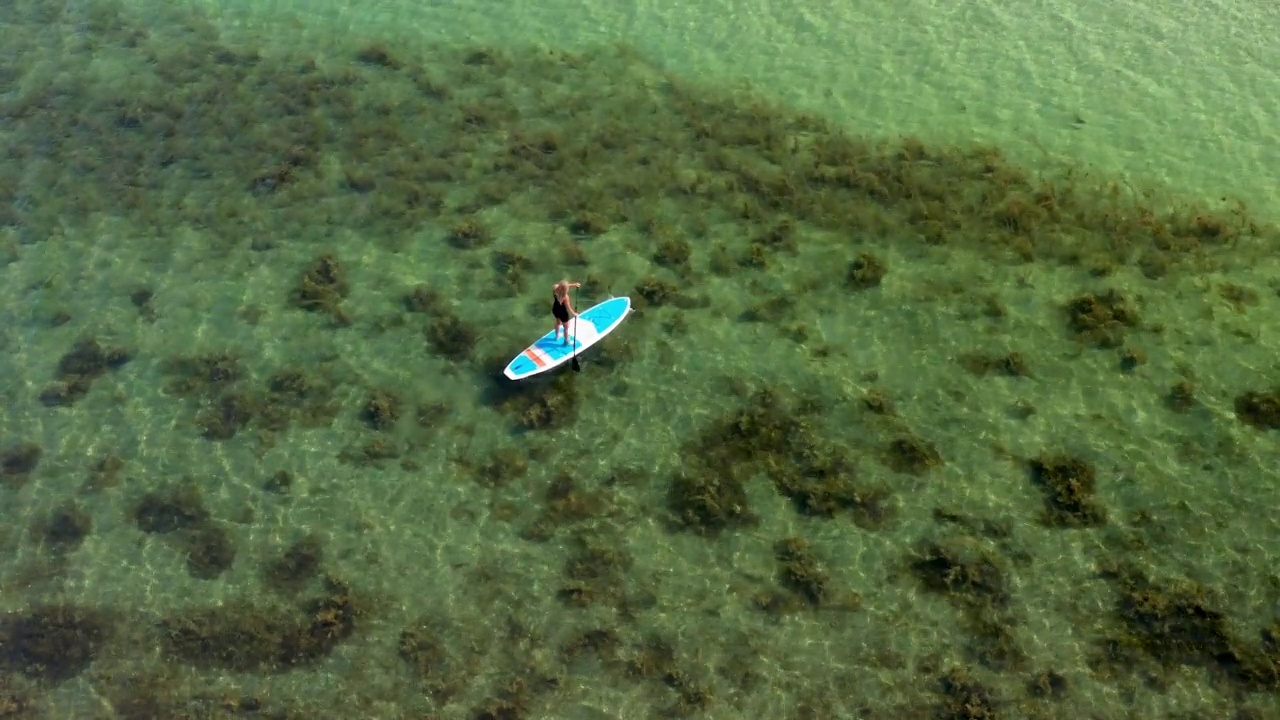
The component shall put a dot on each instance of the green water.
(908, 424)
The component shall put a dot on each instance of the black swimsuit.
(559, 310)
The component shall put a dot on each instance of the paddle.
(573, 360)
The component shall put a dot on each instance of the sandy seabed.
(907, 424)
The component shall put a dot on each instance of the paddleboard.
(586, 330)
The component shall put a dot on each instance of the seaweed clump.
(1101, 320)
(501, 466)
(777, 237)
(709, 493)
(656, 291)
(589, 224)
(241, 637)
(865, 272)
(878, 402)
(1069, 487)
(1259, 409)
(19, 460)
(510, 268)
(673, 253)
(1049, 684)
(565, 503)
(595, 574)
(801, 573)
(974, 579)
(227, 407)
(708, 502)
(381, 410)
(451, 337)
(300, 562)
(444, 667)
(16, 699)
(200, 375)
(963, 571)
(78, 368)
(1178, 625)
(52, 642)
(469, 233)
(377, 55)
(176, 508)
(1131, 358)
(656, 659)
(226, 416)
(1181, 397)
(179, 511)
(541, 406)
(424, 299)
(104, 473)
(141, 299)
(966, 699)
(322, 288)
(65, 529)
(912, 455)
(1013, 364)
(210, 551)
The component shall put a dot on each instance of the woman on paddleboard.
(562, 306)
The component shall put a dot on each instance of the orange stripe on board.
(529, 353)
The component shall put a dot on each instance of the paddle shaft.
(573, 359)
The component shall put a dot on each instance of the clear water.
(951, 391)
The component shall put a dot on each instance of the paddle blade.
(574, 360)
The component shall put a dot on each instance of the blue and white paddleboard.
(586, 330)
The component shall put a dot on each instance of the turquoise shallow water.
(904, 426)
(1178, 94)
